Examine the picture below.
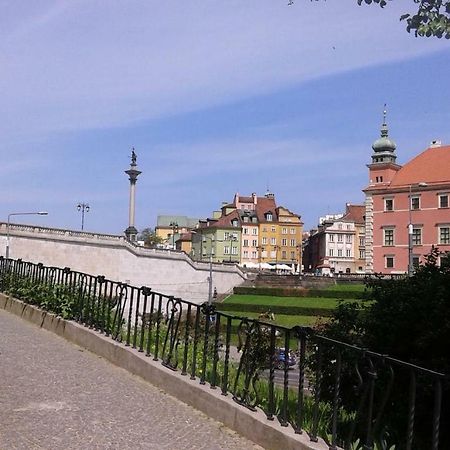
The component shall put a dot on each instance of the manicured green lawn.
(310, 302)
(283, 320)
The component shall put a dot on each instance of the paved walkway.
(55, 395)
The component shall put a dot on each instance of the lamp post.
(261, 249)
(210, 280)
(38, 213)
(299, 248)
(84, 208)
(231, 239)
(276, 256)
(174, 226)
(411, 229)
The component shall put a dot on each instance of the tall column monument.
(132, 172)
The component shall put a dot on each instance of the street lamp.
(174, 226)
(83, 207)
(210, 280)
(411, 229)
(231, 238)
(261, 249)
(38, 213)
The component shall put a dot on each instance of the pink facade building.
(407, 207)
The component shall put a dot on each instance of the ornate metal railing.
(351, 397)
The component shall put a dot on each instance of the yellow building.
(279, 237)
(170, 228)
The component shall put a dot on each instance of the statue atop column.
(132, 172)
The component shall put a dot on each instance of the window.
(415, 202)
(273, 254)
(348, 253)
(415, 261)
(443, 201)
(362, 242)
(389, 204)
(340, 252)
(245, 254)
(292, 255)
(264, 229)
(284, 242)
(234, 250)
(340, 237)
(273, 241)
(389, 262)
(331, 252)
(264, 241)
(284, 231)
(331, 238)
(254, 255)
(255, 231)
(292, 230)
(245, 231)
(362, 254)
(254, 219)
(348, 238)
(254, 242)
(349, 227)
(292, 242)
(245, 242)
(269, 217)
(245, 218)
(273, 229)
(226, 250)
(389, 237)
(340, 226)
(444, 234)
(283, 254)
(417, 236)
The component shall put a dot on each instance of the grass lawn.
(310, 302)
(283, 320)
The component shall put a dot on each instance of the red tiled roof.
(265, 205)
(224, 221)
(245, 199)
(355, 213)
(430, 166)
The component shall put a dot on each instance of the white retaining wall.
(167, 271)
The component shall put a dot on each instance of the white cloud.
(87, 64)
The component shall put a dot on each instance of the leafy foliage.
(431, 19)
(408, 319)
(150, 238)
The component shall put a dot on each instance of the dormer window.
(269, 217)
(234, 223)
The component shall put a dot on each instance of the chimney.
(255, 198)
(435, 143)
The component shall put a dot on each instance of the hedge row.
(292, 292)
(276, 309)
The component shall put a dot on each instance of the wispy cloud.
(77, 65)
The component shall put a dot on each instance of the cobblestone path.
(55, 395)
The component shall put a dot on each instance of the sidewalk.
(54, 395)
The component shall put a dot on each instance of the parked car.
(280, 358)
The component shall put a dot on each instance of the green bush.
(293, 292)
(288, 310)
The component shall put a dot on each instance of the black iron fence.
(351, 397)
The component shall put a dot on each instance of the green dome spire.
(383, 147)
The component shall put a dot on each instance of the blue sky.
(216, 96)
